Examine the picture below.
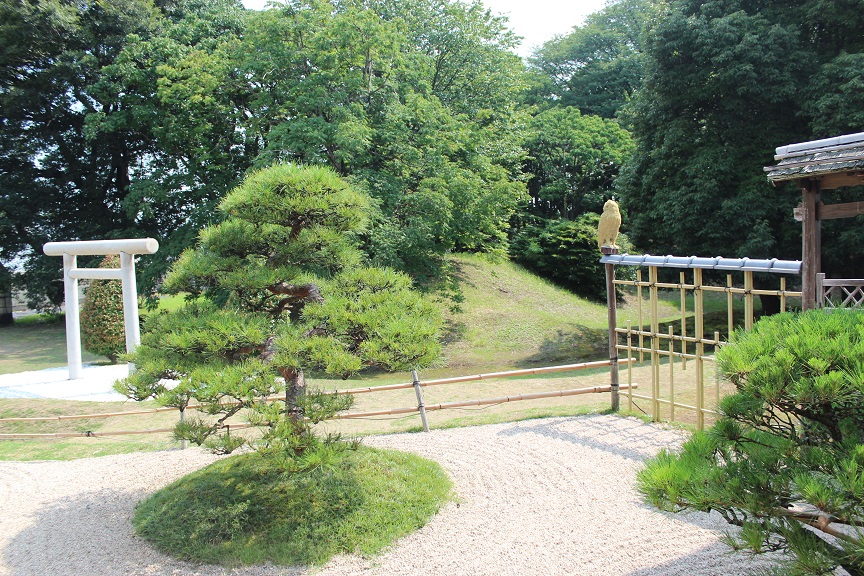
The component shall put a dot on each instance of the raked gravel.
(552, 496)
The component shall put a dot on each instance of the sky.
(535, 20)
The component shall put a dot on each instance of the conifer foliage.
(786, 460)
(278, 288)
(102, 329)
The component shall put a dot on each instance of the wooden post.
(183, 443)
(820, 290)
(420, 406)
(730, 307)
(748, 301)
(629, 366)
(611, 304)
(639, 307)
(682, 280)
(810, 245)
(671, 374)
(653, 294)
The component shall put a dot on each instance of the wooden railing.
(840, 292)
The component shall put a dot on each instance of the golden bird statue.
(610, 223)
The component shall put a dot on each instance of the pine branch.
(820, 521)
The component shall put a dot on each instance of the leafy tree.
(282, 292)
(416, 99)
(786, 460)
(103, 331)
(597, 67)
(574, 160)
(55, 181)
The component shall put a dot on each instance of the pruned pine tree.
(785, 462)
(276, 289)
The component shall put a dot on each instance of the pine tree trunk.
(295, 389)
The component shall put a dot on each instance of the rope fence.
(416, 384)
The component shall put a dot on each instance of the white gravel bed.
(553, 496)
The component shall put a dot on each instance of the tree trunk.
(295, 389)
(5, 308)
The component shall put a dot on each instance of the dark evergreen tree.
(726, 82)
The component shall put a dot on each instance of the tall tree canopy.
(726, 82)
(598, 66)
(83, 147)
(126, 117)
(574, 160)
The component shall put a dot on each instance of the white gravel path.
(548, 497)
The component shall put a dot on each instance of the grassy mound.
(246, 509)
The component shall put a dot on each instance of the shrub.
(102, 329)
(566, 252)
(786, 460)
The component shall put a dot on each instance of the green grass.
(246, 509)
(38, 341)
(512, 318)
(34, 343)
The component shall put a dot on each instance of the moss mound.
(246, 509)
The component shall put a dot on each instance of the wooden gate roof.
(835, 162)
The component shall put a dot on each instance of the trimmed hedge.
(102, 329)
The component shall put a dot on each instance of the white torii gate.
(126, 273)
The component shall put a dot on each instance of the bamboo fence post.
(700, 349)
(655, 344)
(748, 300)
(671, 373)
(611, 304)
(420, 406)
(716, 371)
(639, 307)
(730, 304)
(183, 443)
(629, 366)
(782, 293)
(682, 281)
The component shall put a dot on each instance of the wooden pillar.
(611, 303)
(810, 239)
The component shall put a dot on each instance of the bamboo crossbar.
(92, 416)
(84, 434)
(664, 336)
(457, 379)
(659, 352)
(676, 404)
(483, 402)
(708, 288)
(390, 412)
(489, 376)
(98, 434)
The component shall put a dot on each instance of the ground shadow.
(91, 533)
(629, 443)
(574, 343)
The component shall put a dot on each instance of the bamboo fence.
(659, 345)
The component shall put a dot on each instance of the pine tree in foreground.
(785, 462)
(102, 329)
(278, 289)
